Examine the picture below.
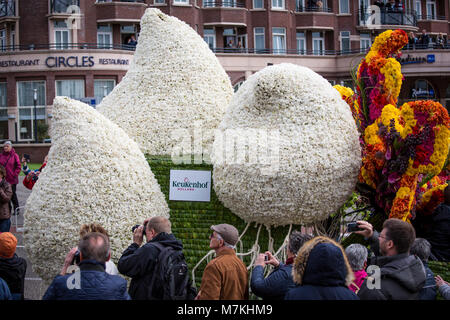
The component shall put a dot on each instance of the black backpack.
(172, 275)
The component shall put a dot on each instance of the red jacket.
(29, 182)
(11, 162)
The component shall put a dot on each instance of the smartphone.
(266, 258)
(353, 226)
(27, 157)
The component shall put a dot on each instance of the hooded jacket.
(95, 284)
(5, 198)
(139, 263)
(13, 270)
(10, 160)
(321, 272)
(401, 276)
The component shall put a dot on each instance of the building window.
(62, 35)
(447, 99)
(344, 6)
(431, 10)
(258, 4)
(104, 37)
(181, 1)
(348, 83)
(300, 5)
(3, 39)
(301, 43)
(318, 43)
(229, 37)
(13, 37)
(345, 42)
(102, 88)
(365, 42)
(25, 97)
(260, 45)
(279, 40)
(418, 8)
(70, 88)
(422, 90)
(159, 1)
(61, 6)
(277, 4)
(209, 35)
(3, 112)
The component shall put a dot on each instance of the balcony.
(102, 1)
(8, 10)
(313, 17)
(120, 11)
(62, 6)
(224, 12)
(300, 8)
(223, 4)
(385, 19)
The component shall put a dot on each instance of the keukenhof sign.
(190, 185)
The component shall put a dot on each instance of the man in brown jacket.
(225, 277)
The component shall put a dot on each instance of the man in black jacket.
(12, 267)
(139, 262)
(401, 276)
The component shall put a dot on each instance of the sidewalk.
(34, 286)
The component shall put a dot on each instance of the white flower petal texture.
(95, 174)
(287, 150)
(174, 84)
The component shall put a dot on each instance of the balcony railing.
(7, 8)
(67, 46)
(431, 17)
(61, 6)
(383, 17)
(223, 4)
(312, 9)
(102, 1)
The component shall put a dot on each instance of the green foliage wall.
(191, 221)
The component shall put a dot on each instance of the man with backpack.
(158, 269)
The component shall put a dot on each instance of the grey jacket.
(444, 290)
(401, 277)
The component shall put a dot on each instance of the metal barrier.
(16, 215)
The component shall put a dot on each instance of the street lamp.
(35, 120)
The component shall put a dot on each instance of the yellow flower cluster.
(380, 42)
(392, 77)
(427, 195)
(407, 113)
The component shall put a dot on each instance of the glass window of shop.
(344, 6)
(62, 35)
(104, 36)
(102, 87)
(25, 97)
(279, 40)
(209, 35)
(258, 4)
(301, 43)
(260, 45)
(70, 88)
(345, 42)
(3, 112)
(422, 90)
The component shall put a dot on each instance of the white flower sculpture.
(174, 85)
(297, 155)
(95, 173)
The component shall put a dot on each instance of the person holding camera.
(401, 276)
(225, 277)
(91, 282)
(145, 264)
(279, 281)
(31, 176)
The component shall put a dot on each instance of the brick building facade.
(81, 48)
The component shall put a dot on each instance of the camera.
(266, 258)
(137, 226)
(353, 226)
(76, 258)
(27, 157)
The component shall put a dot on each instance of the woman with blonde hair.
(95, 227)
(321, 271)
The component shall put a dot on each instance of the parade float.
(284, 151)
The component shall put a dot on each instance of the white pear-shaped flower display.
(174, 85)
(95, 174)
(287, 151)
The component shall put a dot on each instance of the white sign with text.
(190, 185)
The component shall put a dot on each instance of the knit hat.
(229, 233)
(7, 142)
(8, 243)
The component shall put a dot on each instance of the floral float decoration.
(405, 148)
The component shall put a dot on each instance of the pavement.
(34, 286)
